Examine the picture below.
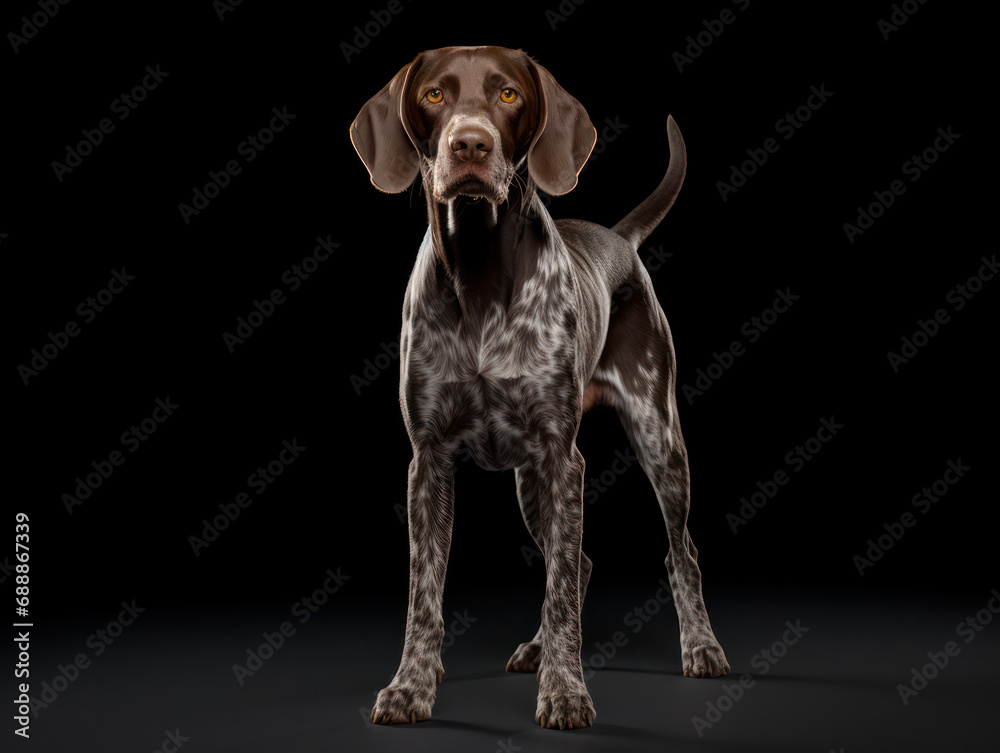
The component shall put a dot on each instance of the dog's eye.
(508, 95)
(434, 96)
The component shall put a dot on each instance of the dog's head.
(473, 116)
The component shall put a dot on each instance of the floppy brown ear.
(564, 139)
(380, 136)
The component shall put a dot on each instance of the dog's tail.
(642, 220)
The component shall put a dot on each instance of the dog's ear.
(382, 137)
(563, 138)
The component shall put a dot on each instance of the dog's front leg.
(430, 509)
(563, 700)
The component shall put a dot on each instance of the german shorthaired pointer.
(508, 337)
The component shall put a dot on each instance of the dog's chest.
(495, 344)
(502, 345)
(491, 378)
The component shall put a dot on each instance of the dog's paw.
(401, 704)
(705, 660)
(565, 710)
(526, 658)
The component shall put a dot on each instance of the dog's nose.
(471, 143)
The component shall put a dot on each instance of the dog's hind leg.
(636, 375)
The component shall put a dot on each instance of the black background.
(334, 507)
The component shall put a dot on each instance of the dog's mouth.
(472, 183)
(473, 188)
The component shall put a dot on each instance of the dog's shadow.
(483, 674)
(455, 724)
(857, 682)
(639, 670)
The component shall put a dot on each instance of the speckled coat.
(508, 337)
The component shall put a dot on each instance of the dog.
(508, 337)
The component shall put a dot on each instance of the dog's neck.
(486, 249)
(473, 235)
